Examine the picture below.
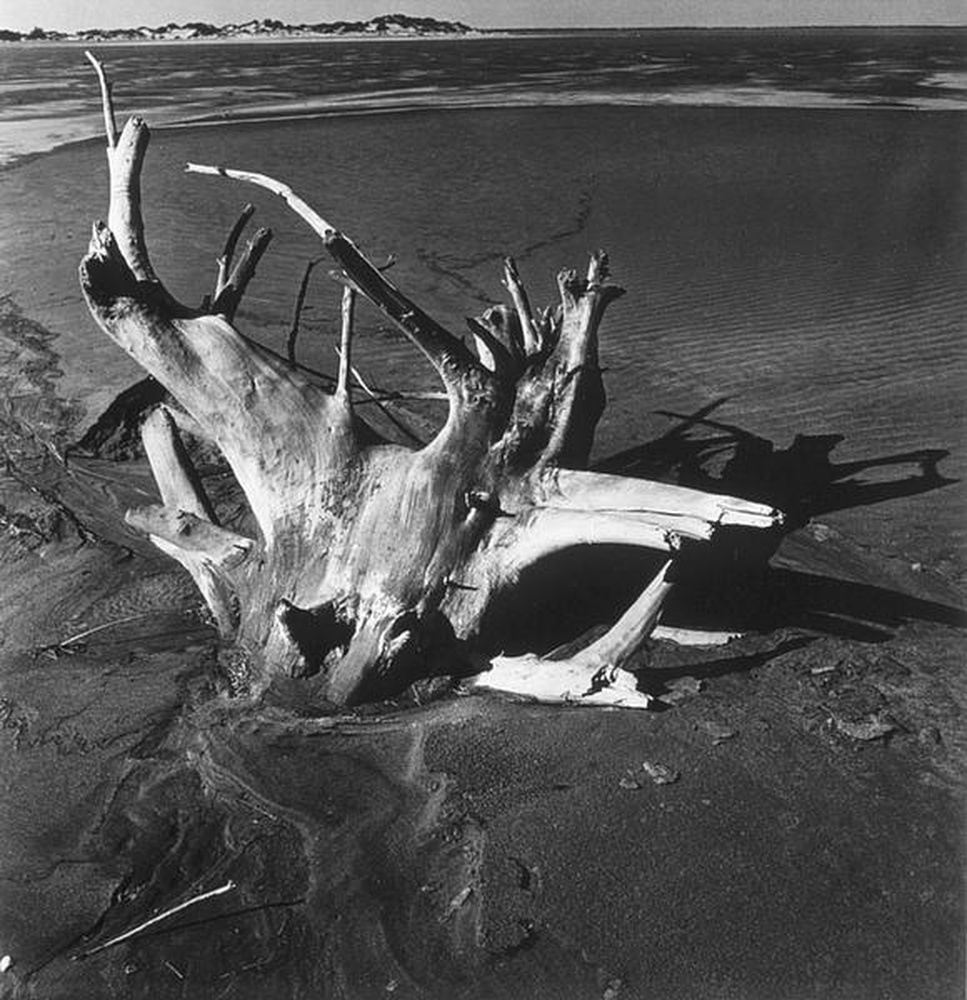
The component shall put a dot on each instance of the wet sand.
(811, 842)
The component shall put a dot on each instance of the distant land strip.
(384, 26)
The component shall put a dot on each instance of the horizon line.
(586, 27)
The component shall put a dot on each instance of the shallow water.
(802, 265)
(790, 271)
(47, 97)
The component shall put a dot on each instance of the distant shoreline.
(263, 39)
(383, 26)
(467, 34)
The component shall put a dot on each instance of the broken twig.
(107, 100)
(74, 639)
(297, 313)
(170, 912)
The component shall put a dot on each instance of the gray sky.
(73, 14)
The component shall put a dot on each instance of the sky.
(69, 15)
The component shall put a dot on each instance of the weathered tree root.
(375, 563)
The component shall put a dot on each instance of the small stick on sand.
(63, 644)
(171, 911)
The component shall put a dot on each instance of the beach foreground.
(787, 823)
(806, 840)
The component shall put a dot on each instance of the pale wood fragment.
(178, 481)
(224, 261)
(221, 548)
(531, 340)
(594, 676)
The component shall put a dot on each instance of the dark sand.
(812, 844)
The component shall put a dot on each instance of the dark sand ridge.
(810, 846)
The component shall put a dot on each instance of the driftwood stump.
(374, 563)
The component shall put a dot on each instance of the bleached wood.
(306, 212)
(107, 101)
(541, 533)
(530, 337)
(625, 637)
(227, 255)
(568, 488)
(184, 526)
(178, 482)
(215, 588)
(593, 676)
(491, 352)
(375, 564)
(467, 382)
(346, 341)
(242, 274)
(561, 682)
(300, 301)
(222, 548)
(693, 636)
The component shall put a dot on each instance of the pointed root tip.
(102, 240)
(748, 514)
(494, 317)
(104, 273)
(202, 168)
(133, 518)
(618, 688)
(477, 327)
(599, 268)
(135, 131)
(341, 278)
